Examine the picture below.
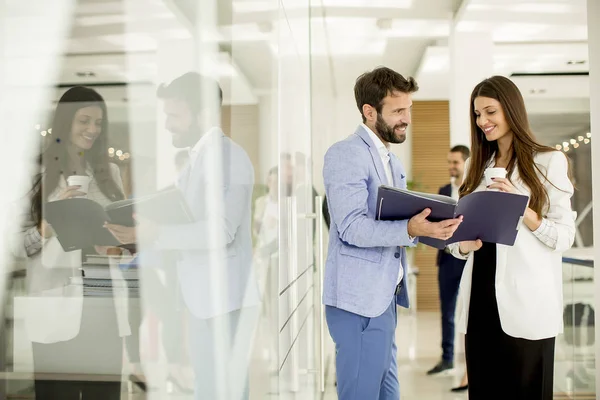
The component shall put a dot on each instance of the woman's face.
(490, 118)
(86, 127)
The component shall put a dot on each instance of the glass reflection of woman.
(66, 330)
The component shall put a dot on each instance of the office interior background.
(287, 69)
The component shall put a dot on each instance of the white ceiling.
(117, 41)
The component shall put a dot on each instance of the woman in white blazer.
(512, 296)
(57, 315)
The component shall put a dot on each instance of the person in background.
(213, 254)
(60, 321)
(512, 295)
(450, 268)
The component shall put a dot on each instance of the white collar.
(378, 143)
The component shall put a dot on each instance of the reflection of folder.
(78, 222)
(493, 217)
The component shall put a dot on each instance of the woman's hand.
(469, 246)
(70, 191)
(45, 229)
(503, 185)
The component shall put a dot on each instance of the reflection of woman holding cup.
(74, 164)
(512, 296)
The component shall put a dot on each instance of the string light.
(573, 143)
(119, 153)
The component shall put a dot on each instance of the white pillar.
(593, 11)
(471, 61)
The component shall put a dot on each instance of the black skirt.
(500, 366)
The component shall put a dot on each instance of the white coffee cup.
(83, 181)
(491, 173)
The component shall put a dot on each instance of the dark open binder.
(493, 217)
(79, 222)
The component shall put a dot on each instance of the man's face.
(456, 164)
(180, 122)
(394, 118)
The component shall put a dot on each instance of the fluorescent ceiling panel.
(241, 6)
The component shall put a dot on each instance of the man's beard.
(387, 133)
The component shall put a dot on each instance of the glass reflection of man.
(214, 252)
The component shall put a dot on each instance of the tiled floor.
(418, 340)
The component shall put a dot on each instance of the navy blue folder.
(491, 216)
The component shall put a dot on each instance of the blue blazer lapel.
(364, 135)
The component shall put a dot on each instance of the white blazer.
(529, 274)
(52, 310)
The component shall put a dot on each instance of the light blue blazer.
(215, 252)
(364, 254)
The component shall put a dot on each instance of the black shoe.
(441, 367)
(460, 389)
(138, 382)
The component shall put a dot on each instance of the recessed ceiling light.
(384, 24)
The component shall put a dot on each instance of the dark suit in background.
(450, 270)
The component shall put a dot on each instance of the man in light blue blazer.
(364, 274)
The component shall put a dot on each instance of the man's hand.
(443, 230)
(108, 250)
(124, 234)
(469, 246)
(147, 229)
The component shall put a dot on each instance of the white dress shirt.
(455, 189)
(384, 153)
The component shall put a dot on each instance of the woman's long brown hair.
(54, 161)
(524, 145)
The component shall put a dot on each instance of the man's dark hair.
(190, 87)
(464, 150)
(372, 87)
